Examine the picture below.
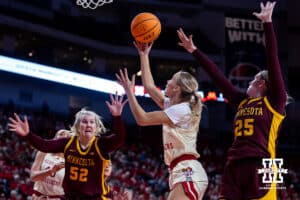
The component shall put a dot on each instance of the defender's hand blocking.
(266, 12)
(186, 42)
(19, 126)
(116, 104)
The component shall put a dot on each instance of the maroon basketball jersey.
(84, 169)
(256, 127)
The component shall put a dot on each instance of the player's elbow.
(142, 121)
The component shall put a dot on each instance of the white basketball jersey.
(51, 185)
(181, 137)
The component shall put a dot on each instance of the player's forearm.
(213, 70)
(120, 131)
(277, 92)
(225, 86)
(137, 111)
(271, 51)
(49, 146)
(147, 77)
(41, 175)
(148, 81)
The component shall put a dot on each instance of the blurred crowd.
(136, 167)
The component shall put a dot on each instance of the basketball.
(145, 27)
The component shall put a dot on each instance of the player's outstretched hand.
(116, 104)
(186, 42)
(266, 12)
(17, 125)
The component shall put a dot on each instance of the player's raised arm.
(226, 87)
(117, 138)
(273, 77)
(142, 118)
(147, 78)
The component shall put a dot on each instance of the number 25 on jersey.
(244, 127)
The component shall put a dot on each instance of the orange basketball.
(145, 27)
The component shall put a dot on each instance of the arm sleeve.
(47, 146)
(112, 142)
(276, 90)
(226, 87)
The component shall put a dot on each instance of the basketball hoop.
(92, 4)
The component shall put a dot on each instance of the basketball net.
(92, 4)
